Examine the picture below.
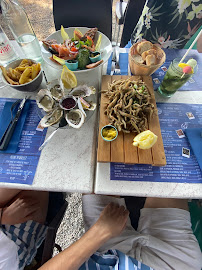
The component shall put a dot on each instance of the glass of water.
(21, 29)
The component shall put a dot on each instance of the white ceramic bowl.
(105, 47)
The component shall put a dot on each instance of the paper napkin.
(194, 136)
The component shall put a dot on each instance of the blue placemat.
(194, 84)
(182, 165)
(20, 167)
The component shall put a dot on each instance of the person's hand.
(112, 220)
(20, 211)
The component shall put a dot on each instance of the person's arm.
(6, 195)
(111, 223)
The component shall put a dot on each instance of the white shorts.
(164, 238)
(8, 253)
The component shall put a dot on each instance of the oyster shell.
(57, 92)
(75, 118)
(51, 118)
(44, 100)
(56, 89)
(82, 91)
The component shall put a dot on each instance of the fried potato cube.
(25, 75)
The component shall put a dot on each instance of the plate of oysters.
(59, 107)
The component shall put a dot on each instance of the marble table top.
(67, 163)
(103, 184)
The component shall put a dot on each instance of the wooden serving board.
(121, 150)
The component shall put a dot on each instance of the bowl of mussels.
(56, 104)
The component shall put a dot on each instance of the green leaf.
(158, 14)
(155, 20)
(179, 19)
(173, 18)
(88, 43)
(191, 15)
(156, 9)
(197, 8)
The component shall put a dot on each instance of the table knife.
(8, 134)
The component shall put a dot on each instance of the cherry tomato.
(73, 49)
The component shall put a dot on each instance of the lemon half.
(145, 139)
(68, 78)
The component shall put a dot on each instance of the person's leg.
(166, 203)
(6, 195)
(42, 198)
(92, 208)
(171, 243)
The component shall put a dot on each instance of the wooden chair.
(89, 13)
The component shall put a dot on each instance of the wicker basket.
(141, 69)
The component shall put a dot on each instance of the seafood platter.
(81, 49)
(59, 108)
(128, 104)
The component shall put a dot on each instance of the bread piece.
(138, 59)
(150, 60)
(144, 54)
(144, 46)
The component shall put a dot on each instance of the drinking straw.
(197, 37)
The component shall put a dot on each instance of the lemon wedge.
(145, 140)
(68, 78)
(77, 34)
(97, 46)
(59, 60)
(64, 33)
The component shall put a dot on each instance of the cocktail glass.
(174, 78)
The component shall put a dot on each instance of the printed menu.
(20, 167)
(182, 165)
